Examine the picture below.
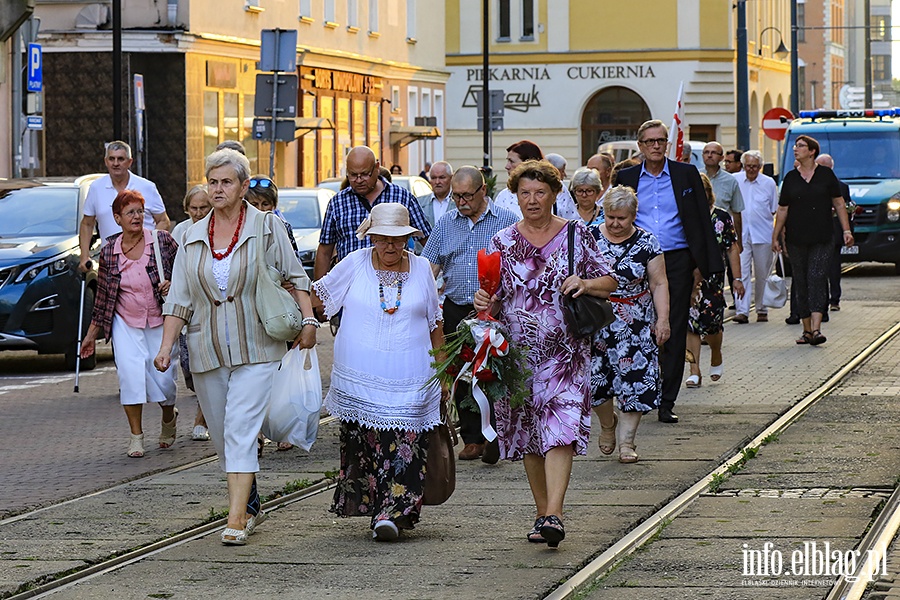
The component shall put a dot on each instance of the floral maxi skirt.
(382, 474)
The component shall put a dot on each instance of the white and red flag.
(676, 131)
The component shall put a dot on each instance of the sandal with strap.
(234, 537)
(694, 381)
(168, 431)
(716, 372)
(627, 455)
(806, 338)
(136, 446)
(534, 536)
(817, 338)
(607, 440)
(553, 531)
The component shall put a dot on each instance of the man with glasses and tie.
(672, 205)
(453, 248)
(100, 196)
(351, 206)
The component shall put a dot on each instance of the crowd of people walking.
(397, 275)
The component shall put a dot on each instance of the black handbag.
(584, 315)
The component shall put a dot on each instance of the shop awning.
(405, 135)
(304, 125)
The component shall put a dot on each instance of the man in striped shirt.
(453, 248)
(349, 208)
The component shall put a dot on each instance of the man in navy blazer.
(672, 205)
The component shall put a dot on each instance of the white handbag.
(277, 309)
(775, 295)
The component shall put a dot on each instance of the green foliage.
(490, 184)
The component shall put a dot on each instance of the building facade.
(366, 69)
(576, 73)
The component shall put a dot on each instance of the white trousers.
(139, 381)
(234, 401)
(760, 257)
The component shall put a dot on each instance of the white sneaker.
(200, 434)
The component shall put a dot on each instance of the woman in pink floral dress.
(554, 424)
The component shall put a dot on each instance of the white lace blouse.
(381, 360)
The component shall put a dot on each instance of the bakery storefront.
(352, 102)
(573, 107)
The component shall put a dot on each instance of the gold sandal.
(167, 432)
(607, 440)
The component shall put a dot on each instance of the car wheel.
(90, 362)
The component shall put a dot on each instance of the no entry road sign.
(775, 123)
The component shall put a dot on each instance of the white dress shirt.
(760, 204)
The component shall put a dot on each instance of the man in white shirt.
(565, 203)
(436, 204)
(760, 203)
(98, 204)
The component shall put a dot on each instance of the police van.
(865, 145)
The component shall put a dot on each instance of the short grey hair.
(229, 158)
(585, 176)
(117, 145)
(620, 197)
(751, 154)
(468, 173)
(650, 125)
(556, 160)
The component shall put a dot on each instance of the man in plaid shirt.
(348, 209)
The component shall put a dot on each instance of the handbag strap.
(260, 245)
(781, 264)
(631, 242)
(571, 246)
(159, 261)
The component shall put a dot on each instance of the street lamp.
(781, 51)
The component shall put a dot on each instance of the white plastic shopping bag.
(296, 400)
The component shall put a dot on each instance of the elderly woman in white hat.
(391, 320)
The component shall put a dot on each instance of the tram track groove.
(639, 536)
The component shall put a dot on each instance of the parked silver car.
(304, 209)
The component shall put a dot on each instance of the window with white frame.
(395, 98)
(329, 11)
(412, 111)
(306, 8)
(373, 16)
(438, 152)
(410, 20)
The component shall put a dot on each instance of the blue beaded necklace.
(394, 308)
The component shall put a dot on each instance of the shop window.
(342, 132)
(326, 139)
(251, 146)
(881, 67)
(439, 114)
(503, 20)
(881, 28)
(308, 146)
(375, 127)
(210, 122)
(359, 122)
(612, 114)
(231, 129)
(801, 21)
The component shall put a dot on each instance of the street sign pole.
(274, 111)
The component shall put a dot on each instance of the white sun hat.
(390, 219)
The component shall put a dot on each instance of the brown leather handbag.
(440, 464)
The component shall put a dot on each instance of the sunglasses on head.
(263, 183)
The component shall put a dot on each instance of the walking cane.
(80, 325)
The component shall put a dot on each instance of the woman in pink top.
(128, 309)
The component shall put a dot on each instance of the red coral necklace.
(234, 238)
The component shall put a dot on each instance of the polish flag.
(676, 131)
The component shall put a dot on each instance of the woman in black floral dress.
(625, 354)
(708, 303)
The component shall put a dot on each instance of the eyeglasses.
(751, 167)
(385, 243)
(655, 142)
(801, 145)
(466, 197)
(361, 176)
(131, 213)
(585, 192)
(263, 183)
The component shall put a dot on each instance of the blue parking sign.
(35, 68)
